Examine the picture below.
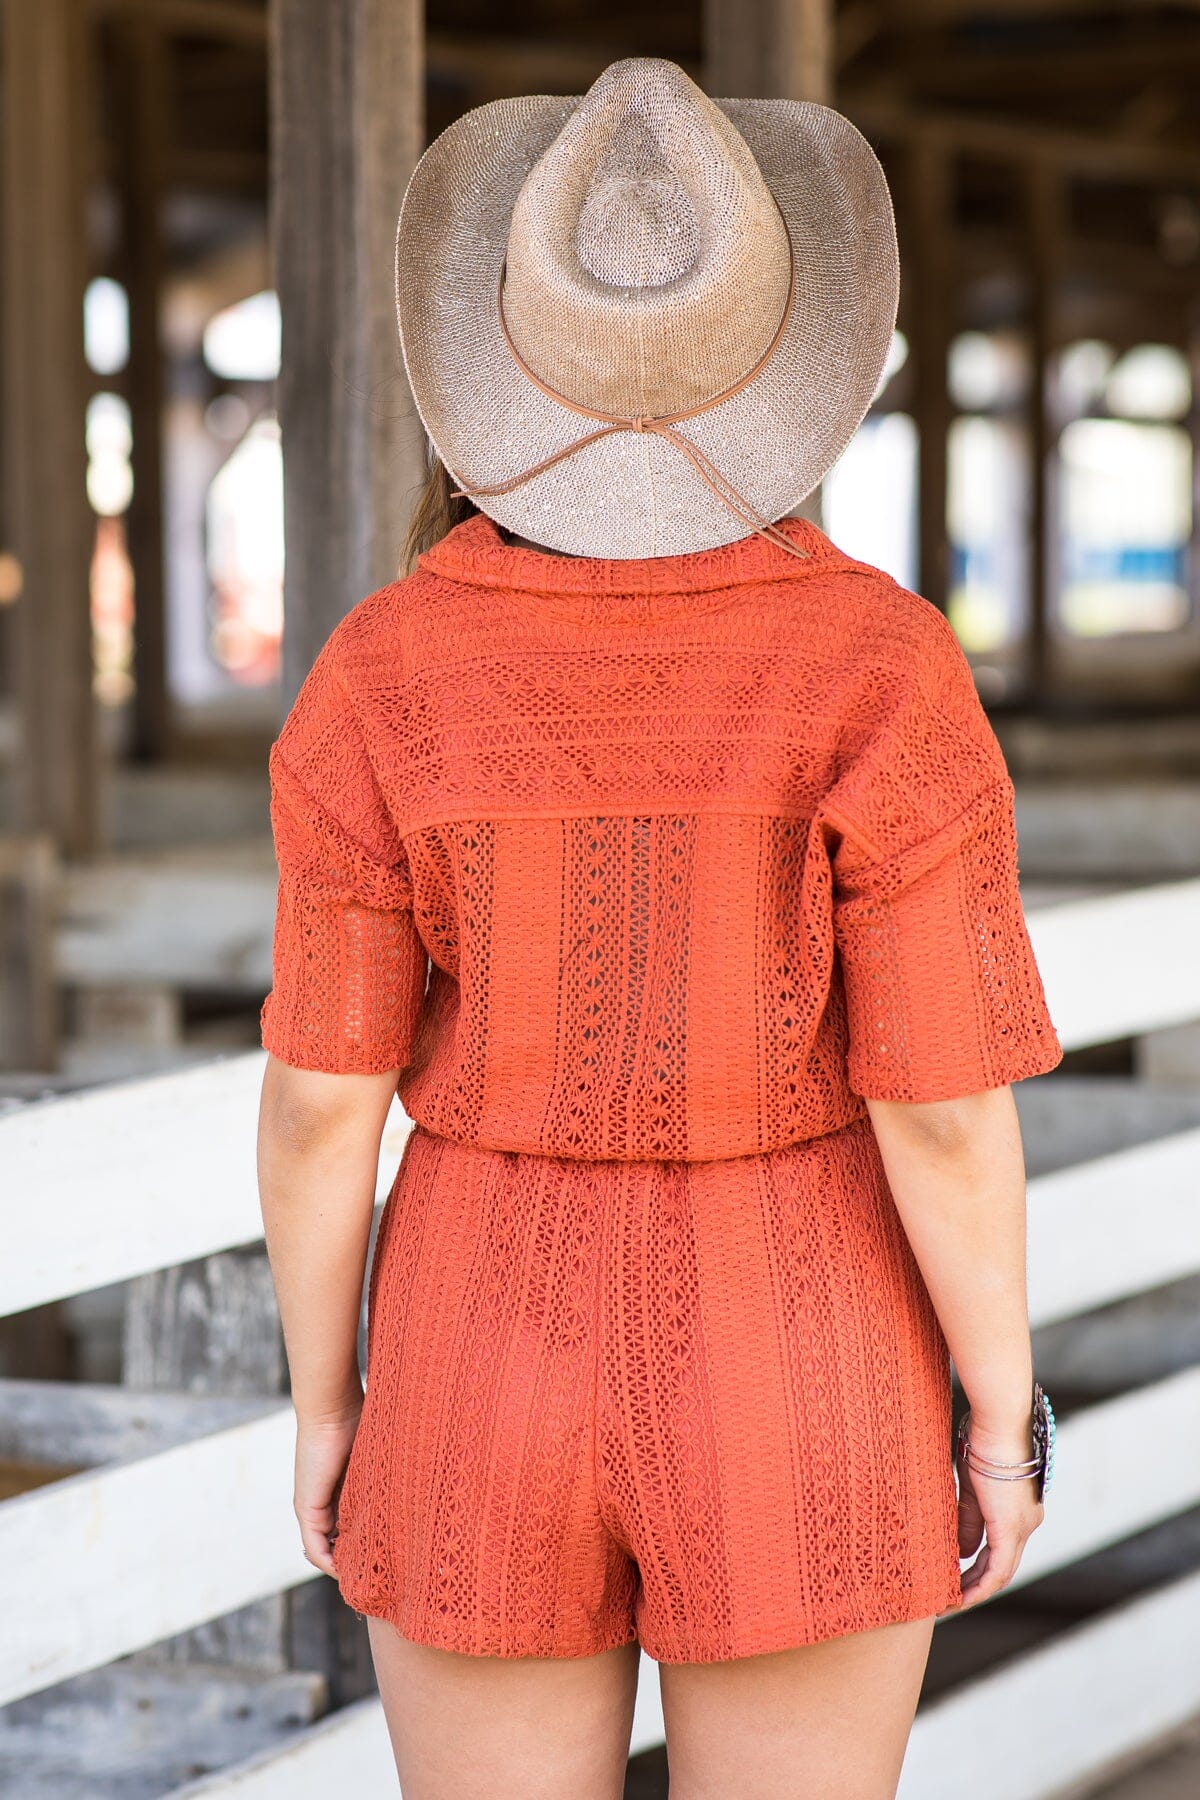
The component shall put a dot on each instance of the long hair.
(436, 512)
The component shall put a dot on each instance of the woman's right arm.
(956, 1170)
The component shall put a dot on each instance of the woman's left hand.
(323, 1448)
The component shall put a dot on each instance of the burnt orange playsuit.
(644, 875)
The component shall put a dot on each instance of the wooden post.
(211, 1327)
(772, 50)
(931, 321)
(1192, 340)
(49, 522)
(1045, 231)
(143, 72)
(28, 989)
(347, 125)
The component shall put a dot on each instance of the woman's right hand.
(1007, 1512)
(323, 1447)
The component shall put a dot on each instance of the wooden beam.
(775, 49)
(1079, 1256)
(931, 12)
(1045, 227)
(235, 171)
(224, 20)
(194, 1189)
(931, 326)
(143, 74)
(1014, 140)
(490, 66)
(50, 525)
(347, 92)
(29, 1010)
(932, 67)
(147, 1550)
(1192, 340)
(1143, 939)
(1042, 1724)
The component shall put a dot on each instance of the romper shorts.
(705, 1406)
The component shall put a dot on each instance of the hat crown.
(647, 263)
(637, 227)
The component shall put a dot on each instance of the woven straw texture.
(646, 231)
(698, 852)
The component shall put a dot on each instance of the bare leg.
(490, 1727)
(828, 1721)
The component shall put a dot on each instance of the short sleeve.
(943, 994)
(348, 965)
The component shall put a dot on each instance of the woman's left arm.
(318, 1160)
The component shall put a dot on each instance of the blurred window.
(1126, 521)
(105, 325)
(1125, 489)
(109, 434)
(869, 497)
(241, 343)
(988, 376)
(986, 508)
(245, 556)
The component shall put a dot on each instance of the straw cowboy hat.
(641, 322)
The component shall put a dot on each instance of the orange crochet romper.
(643, 876)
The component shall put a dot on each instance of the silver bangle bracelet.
(1038, 1468)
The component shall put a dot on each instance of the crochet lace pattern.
(682, 858)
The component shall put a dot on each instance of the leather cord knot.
(662, 426)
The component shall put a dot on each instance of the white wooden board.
(119, 1557)
(1027, 1730)
(1065, 1711)
(1108, 1484)
(348, 1753)
(1117, 1225)
(123, 1555)
(1144, 941)
(198, 918)
(135, 1176)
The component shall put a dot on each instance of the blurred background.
(202, 386)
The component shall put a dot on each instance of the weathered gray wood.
(347, 126)
(84, 1424)
(1171, 1059)
(29, 1015)
(198, 917)
(208, 1327)
(43, 270)
(135, 1731)
(212, 1327)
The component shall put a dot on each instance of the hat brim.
(633, 494)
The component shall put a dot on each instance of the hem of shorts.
(796, 1636)
(467, 1643)
(792, 1636)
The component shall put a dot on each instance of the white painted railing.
(148, 1174)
